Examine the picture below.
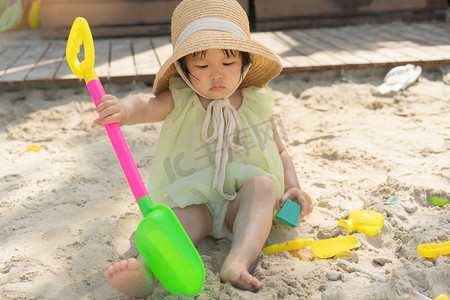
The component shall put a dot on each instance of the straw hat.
(199, 25)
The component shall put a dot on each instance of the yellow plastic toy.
(368, 222)
(442, 297)
(34, 148)
(33, 17)
(434, 250)
(292, 245)
(322, 249)
(331, 247)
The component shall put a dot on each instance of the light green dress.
(182, 169)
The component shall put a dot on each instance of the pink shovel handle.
(120, 145)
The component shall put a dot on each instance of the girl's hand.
(111, 110)
(300, 197)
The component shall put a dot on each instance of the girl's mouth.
(217, 88)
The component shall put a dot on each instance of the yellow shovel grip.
(80, 34)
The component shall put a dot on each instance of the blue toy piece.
(289, 214)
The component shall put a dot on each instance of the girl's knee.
(265, 186)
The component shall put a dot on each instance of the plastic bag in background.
(17, 14)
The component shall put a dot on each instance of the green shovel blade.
(169, 253)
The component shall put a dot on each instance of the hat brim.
(265, 65)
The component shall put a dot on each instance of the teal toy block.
(289, 213)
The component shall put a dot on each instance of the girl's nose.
(216, 74)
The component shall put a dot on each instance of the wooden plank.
(271, 41)
(20, 69)
(434, 31)
(426, 42)
(46, 68)
(147, 64)
(353, 45)
(64, 73)
(381, 45)
(406, 46)
(309, 47)
(337, 49)
(10, 56)
(122, 63)
(330, 52)
(299, 59)
(421, 36)
(437, 40)
(299, 50)
(163, 48)
(444, 27)
(114, 31)
(102, 58)
(347, 51)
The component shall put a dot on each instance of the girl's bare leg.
(249, 217)
(133, 278)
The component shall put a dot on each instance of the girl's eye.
(202, 66)
(228, 64)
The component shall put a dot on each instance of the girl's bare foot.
(132, 278)
(235, 272)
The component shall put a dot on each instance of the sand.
(67, 213)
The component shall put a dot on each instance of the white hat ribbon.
(225, 122)
(208, 24)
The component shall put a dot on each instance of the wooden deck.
(128, 59)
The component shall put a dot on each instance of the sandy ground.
(67, 213)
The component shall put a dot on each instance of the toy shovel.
(322, 249)
(331, 247)
(160, 238)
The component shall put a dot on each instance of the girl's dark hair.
(245, 56)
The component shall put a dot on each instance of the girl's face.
(213, 74)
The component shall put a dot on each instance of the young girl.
(219, 164)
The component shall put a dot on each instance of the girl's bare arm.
(292, 186)
(290, 175)
(134, 109)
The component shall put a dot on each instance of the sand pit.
(67, 213)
